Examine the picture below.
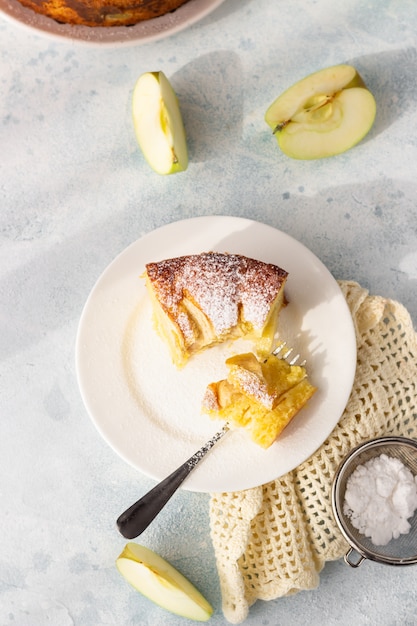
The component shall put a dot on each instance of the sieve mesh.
(400, 551)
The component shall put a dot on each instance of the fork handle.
(137, 517)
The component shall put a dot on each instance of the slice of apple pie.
(203, 299)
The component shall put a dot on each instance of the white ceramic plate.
(117, 36)
(149, 412)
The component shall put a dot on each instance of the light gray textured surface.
(75, 191)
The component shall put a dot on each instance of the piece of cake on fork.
(261, 394)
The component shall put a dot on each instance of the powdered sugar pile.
(381, 495)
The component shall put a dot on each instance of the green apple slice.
(158, 124)
(323, 114)
(159, 581)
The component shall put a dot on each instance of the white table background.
(75, 191)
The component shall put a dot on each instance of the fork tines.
(284, 352)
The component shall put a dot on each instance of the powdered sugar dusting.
(255, 388)
(224, 286)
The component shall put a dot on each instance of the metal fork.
(137, 517)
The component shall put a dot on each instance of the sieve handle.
(357, 561)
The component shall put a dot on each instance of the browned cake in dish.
(203, 299)
(102, 12)
(261, 395)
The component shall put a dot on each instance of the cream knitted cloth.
(274, 540)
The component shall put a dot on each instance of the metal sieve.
(401, 551)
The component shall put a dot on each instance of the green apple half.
(159, 581)
(158, 124)
(323, 114)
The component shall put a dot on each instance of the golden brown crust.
(211, 297)
(223, 286)
(102, 13)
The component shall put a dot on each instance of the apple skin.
(161, 583)
(322, 115)
(158, 124)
